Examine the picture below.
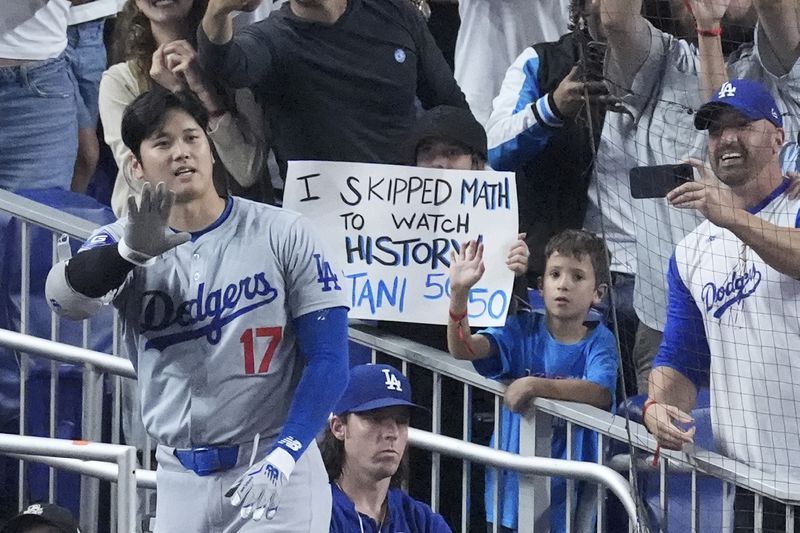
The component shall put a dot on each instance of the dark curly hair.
(133, 39)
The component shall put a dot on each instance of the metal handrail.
(540, 466)
(423, 439)
(123, 456)
(66, 353)
(145, 479)
(45, 216)
(603, 422)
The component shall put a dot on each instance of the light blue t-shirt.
(524, 347)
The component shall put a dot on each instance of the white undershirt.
(33, 30)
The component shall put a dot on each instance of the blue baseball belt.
(207, 460)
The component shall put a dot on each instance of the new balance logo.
(291, 443)
(727, 91)
(392, 383)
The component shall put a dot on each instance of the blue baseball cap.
(374, 387)
(748, 97)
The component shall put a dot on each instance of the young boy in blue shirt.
(557, 355)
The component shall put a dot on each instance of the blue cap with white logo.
(748, 97)
(374, 387)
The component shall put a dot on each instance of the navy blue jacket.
(404, 514)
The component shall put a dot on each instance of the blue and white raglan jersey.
(523, 119)
(735, 319)
(209, 325)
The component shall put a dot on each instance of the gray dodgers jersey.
(208, 326)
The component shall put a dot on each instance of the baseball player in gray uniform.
(236, 325)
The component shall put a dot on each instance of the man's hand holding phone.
(657, 181)
(708, 195)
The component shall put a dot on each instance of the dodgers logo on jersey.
(160, 311)
(734, 289)
(325, 275)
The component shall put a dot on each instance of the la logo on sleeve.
(392, 383)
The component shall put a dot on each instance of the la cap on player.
(449, 123)
(42, 514)
(748, 97)
(374, 387)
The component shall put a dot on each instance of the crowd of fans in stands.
(699, 288)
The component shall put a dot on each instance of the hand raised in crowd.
(180, 59)
(660, 421)
(518, 255)
(708, 195)
(221, 7)
(570, 94)
(162, 75)
(707, 13)
(466, 267)
(175, 68)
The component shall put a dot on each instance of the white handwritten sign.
(391, 229)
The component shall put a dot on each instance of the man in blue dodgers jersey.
(734, 294)
(217, 297)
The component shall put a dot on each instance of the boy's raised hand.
(518, 256)
(466, 267)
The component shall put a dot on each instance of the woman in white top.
(155, 40)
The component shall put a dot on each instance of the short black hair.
(577, 243)
(147, 113)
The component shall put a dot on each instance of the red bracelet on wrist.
(716, 32)
(457, 318)
(461, 335)
(650, 402)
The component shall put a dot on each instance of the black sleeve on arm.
(97, 271)
(436, 84)
(244, 61)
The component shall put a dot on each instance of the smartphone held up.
(657, 181)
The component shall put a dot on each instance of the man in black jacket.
(339, 78)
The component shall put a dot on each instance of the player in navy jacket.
(363, 449)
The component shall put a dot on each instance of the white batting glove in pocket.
(258, 489)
